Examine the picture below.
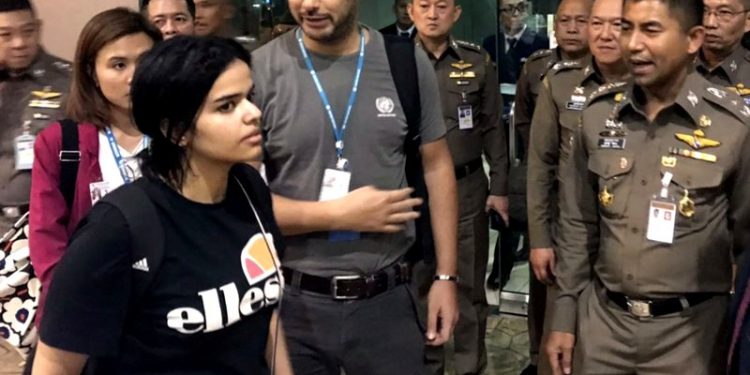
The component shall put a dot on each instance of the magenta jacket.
(51, 223)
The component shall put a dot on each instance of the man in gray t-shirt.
(341, 198)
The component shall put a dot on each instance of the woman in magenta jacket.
(108, 48)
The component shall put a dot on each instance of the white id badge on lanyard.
(662, 215)
(336, 185)
(98, 190)
(23, 147)
(465, 117)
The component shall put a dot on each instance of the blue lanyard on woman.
(338, 132)
(119, 160)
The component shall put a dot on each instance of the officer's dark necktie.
(405, 34)
(511, 42)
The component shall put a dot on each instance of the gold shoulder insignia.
(565, 65)
(613, 89)
(469, 45)
(539, 54)
(729, 101)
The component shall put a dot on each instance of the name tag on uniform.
(335, 185)
(661, 219)
(23, 147)
(465, 117)
(611, 143)
(576, 103)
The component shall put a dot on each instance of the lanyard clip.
(665, 181)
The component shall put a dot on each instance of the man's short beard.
(340, 30)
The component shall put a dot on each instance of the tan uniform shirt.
(528, 86)
(467, 78)
(558, 113)
(732, 71)
(606, 202)
(33, 97)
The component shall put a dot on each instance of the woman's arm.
(276, 347)
(49, 212)
(52, 361)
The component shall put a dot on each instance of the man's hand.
(442, 312)
(368, 209)
(500, 205)
(559, 349)
(543, 263)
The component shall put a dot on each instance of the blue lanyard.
(121, 166)
(338, 132)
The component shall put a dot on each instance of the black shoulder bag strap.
(403, 64)
(70, 157)
(146, 233)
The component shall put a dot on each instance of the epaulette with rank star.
(730, 101)
(469, 45)
(565, 65)
(63, 66)
(606, 90)
(540, 53)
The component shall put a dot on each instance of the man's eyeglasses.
(521, 8)
(723, 15)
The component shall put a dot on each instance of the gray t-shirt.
(299, 141)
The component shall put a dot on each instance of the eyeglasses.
(512, 9)
(723, 15)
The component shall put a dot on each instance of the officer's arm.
(543, 158)
(739, 200)
(524, 106)
(493, 132)
(579, 234)
(441, 187)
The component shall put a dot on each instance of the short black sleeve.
(90, 291)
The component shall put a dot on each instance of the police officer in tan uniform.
(654, 201)
(471, 104)
(33, 85)
(571, 33)
(723, 60)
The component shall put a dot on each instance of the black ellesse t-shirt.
(209, 308)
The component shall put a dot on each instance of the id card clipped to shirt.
(662, 215)
(465, 117)
(23, 149)
(335, 185)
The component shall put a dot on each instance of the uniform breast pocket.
(696, 188)
(466, 92)
(613, 169)
(569, 121)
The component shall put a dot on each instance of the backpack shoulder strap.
(146, 233)
(403, 64)
(70, 157)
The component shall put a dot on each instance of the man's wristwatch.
(442, 277)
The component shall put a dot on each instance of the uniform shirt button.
(644, 182)
(629, 277)
(634, 230)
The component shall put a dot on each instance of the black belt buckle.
(335, 287)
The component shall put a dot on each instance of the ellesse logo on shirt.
(258, 262)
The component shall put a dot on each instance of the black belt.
(464, 170)
(645, 308)
(351, 287)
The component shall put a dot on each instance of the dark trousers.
(376, 336)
